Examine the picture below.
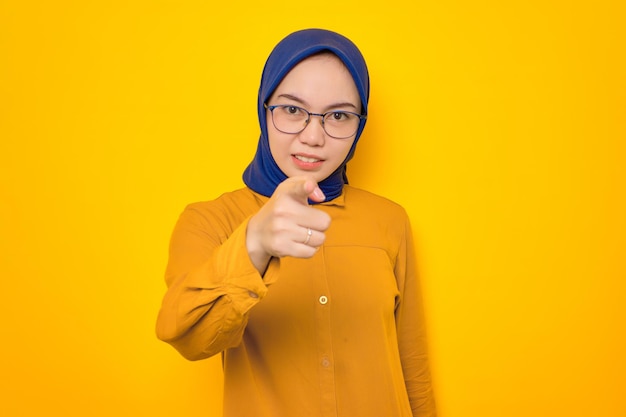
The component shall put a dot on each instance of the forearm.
(202, 321)
(206, 306)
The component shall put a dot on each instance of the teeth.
(305, 159)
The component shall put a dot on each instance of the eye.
(293, 110)
(339, 116)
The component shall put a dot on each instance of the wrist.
(257, 254)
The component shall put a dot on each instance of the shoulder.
(227, 210)
(241, 198)
(372, 203)
(379, 215)
(368, 220)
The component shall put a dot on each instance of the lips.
(307, 162)
(306, 158)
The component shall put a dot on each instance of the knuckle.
(280, 210)
(281, 250)
(325, 222)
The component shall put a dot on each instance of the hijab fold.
(263, 174)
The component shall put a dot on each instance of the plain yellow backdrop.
(499, 125)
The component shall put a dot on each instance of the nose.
(313, 133)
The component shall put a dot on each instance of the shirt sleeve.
(212, 285)
(411, 331)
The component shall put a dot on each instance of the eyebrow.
(306, 104)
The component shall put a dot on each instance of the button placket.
(324, 343)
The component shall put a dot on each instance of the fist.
(287, 225)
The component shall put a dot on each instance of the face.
(319, 84)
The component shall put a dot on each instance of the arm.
(212, 285)
(214, 274)
(411, 331)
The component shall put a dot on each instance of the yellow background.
(499, 125)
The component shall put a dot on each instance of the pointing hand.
(287, 225)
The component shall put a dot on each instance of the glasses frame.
(308, 119)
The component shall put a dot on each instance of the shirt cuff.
(231, 272)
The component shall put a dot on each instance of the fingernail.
(319, 194)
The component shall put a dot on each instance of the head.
(321, 72)
(301, 141)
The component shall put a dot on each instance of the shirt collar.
(339, 201)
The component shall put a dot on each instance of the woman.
(306, 285)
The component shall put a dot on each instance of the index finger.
(304, 188)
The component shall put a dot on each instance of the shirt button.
(323, 299)
(253, 294)
(325, 362)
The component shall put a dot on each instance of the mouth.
(307, 159)
(307, 162)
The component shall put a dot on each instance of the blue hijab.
(263, 174)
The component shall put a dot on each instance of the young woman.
(307, 286)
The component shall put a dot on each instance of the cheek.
(278, 144)
(342, 150)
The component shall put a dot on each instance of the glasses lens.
(341, 124)
(289, 119)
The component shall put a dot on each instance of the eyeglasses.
(337, 124)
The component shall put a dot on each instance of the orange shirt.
(340, 334)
